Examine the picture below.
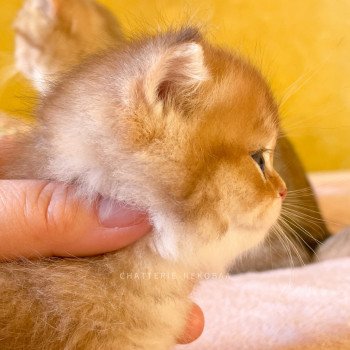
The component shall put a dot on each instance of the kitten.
(301, 235)
(52, 36)
(172, 125)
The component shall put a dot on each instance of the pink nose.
(283, 193)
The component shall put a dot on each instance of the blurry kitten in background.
(52, 36)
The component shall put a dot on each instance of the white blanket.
(306, 308)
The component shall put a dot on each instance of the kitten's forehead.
(239, 105)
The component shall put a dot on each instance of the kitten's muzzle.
(283, 193)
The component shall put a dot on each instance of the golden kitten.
(52, 36)
(96, 30)
(172, 125)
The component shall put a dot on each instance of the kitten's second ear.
(175, 73)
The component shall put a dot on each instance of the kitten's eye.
(259, 159)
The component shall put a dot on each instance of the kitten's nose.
(283, 193)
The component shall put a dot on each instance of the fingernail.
(194, 327)
(113, 214)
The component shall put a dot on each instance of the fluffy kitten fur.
(300, 238)
(52, 36)
(168, 124)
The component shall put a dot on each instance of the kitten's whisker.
(301, 194)
(305, 189)
(301, 190)
(293, 196)
(295, 223)
(301, 215)
(303, 207)
(293, 246)
(315, 221)
(287, 224)
(290, 224)
(290, 244)
(312, 224)
(280, 235)
(298, 84)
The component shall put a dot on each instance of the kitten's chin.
(205, 257)
(269, 216)
(218, 255)
(202, 247)
(259, 219)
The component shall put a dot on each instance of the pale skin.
(35, 215)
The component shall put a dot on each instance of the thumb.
(40, 218)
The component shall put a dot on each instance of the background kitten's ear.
(175, 73)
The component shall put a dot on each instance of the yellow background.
(302, 46)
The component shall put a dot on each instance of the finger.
(195, 325)
(40, 218)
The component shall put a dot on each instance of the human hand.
(35, 217)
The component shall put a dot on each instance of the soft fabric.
(306, 308)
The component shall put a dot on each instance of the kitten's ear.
(48, 7)
(175, 73)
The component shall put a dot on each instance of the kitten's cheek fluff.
(235, 218)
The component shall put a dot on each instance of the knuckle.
(57, 208)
